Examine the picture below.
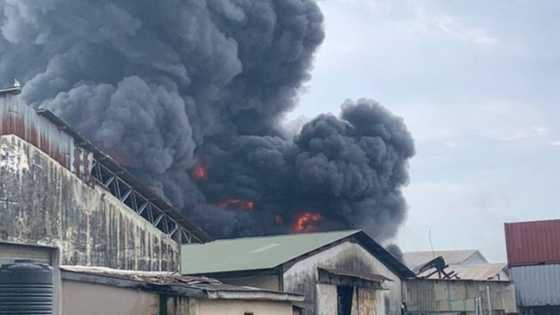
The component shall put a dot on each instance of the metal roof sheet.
(533, 243)
(264, 253)
(415, 260)
(252, 253)
(478, 272)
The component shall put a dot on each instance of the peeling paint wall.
(433, 296)
(44, 203)
(348, 256)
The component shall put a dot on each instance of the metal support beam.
(144, 207)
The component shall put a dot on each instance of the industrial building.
(343, 272)
(533, 252)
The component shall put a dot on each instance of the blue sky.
(477, 83)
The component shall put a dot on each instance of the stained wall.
(43, 203)
(349, 256)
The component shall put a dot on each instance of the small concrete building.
(339, 273)
(97, 290)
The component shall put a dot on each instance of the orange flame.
(200, 171)
(305, 222)
(237, 204)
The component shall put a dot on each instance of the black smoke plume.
(189, 94)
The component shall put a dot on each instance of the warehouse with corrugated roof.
(343, 272)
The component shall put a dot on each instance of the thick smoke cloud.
(348, 169)
(189, 95)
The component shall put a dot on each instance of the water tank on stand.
(26, 289)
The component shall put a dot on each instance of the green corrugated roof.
(253, 253)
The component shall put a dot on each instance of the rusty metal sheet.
(19, 119)
(533, 243)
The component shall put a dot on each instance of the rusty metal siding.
(19, 119)
(533, 243)
(537, 285)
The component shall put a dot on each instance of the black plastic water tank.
(26, 289)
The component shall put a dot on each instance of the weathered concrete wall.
(431, 296)
(302, 278)
(94, 299)
(326, 296)
(233, 307)
(267, 282)
(41, 202)
(191, 306)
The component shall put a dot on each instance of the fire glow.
(200, 171)
(306, 222)
(237, 204)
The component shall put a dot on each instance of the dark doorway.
(344, 300)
